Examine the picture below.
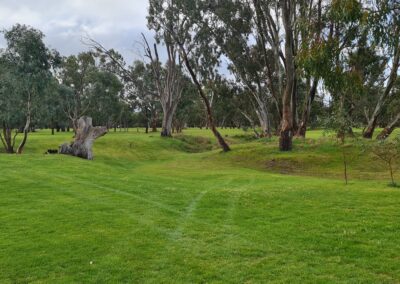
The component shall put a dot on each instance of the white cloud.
(116, 23)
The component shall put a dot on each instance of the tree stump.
(84, 138)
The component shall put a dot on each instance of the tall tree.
(76, 74)
(168, 80)
(29, 62)
(139, 86)
(182, 20)
(384, 18)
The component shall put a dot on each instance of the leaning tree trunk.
(210, 119)
(385, 133)
(84, 138)
(257, 135)
(26, 128)
(23, 142)
(302, 129)
(369, 130)
(384, 98)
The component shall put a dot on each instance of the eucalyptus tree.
(331, 59)
(310, 26)
(262, 40)
(384, 27)
(168, 79)
(184, 22)
(388, 129)
(275, 21)
(391, 115)
(77, 75)
(255, 70)
(240, 38)
(107, 103)
(141, 91)
(10, 106)
(190, 110)
(26, 61)
(50, 111)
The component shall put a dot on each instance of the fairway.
(177, 210)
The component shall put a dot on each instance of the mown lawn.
(153, 210)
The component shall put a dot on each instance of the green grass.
(153, 210)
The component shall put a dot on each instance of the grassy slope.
(147, 210)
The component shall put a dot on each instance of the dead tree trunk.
(385, 133)
(84, 138)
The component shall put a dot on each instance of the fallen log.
(84, 139)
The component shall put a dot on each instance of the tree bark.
(84, 139)
(169, 86)
(383, 98)
(167, 122)
(7, 139)
(253, 126)
(293, 105)
(26, 128)
(286, 133)
(262, 114)
(154, 124)
(301, 132)
(225, 147)
(385, 133)
(369, 130)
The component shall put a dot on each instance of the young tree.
(387, 152)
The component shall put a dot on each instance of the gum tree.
(384, 20)
(27, 62)
(182, 22)
(168, 79)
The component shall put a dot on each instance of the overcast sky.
(115, 23)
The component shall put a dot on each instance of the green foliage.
(346, 11)
(24, 78)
